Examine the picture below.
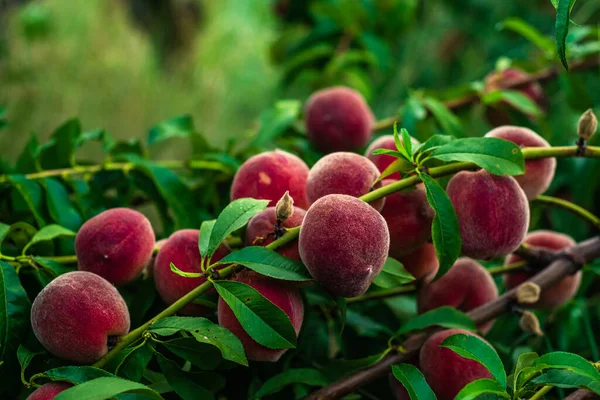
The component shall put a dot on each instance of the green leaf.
(59, 151)
(570, 361)
(407, 141)
(3, 122)
(4, 229)
(400, 145)
(530, 33)
(76, 374)
(276, 120)
(413, 381)
(269, 263)
(365, 325)
(180, 126)
(48, 232)
(521, 102)
(480, 387)
(32, 194)
(388, 152)
(205, 232)
(131, 362)
(204, 331)
(393, 275)
(474, 348)
(202, 355)
(444, 230)
(306, 376)
(567, 379)
(59, 204)
(186, 388)
(266, 323)
(497, 156)
(179, 272)
(99, 135)
(233, 217)
(25, 356)
(55, 267)
(28, 159)
(434, 142)
(399, 165)
(446, 316)
(105, 388)
(449, 122)
(563, 11)
(525, 360)
(14, 310)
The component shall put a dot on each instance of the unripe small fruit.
(538, 173)
(338, 119)
(409, 218)
(492, 212)
(262, 226)
(181, 249)
(344, 243)
(269, 175)
(467, 285)
(77, 315)
(343, 173)
(49, 391)
(116, 244)
(382, 161)
(559, 293)
(287, 298)
(445, 371)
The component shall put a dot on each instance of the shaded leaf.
(413, 381)
(446, 316)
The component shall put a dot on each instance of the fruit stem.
(567, 205)
(540, 393)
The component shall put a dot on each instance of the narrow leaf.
(449, 122)
(205, 232)
(48, 232)
(306, 376)
(413, 381)
(563, 9)
(106, 388)
(446, 316)
(481, 387)
(393, 275)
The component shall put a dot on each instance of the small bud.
(285, 207)
(588, 123)
(530, 324)
(528, 293)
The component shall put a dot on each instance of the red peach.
(423, 263)
(49, 391)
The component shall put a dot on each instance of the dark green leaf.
(186, 388)
(76, 374)
(32, 194)
(276, 120)
(497, 156)
(399, 165)
(54, 266)
(269, 263)
(205, 232)
(567, 379)
(232, 218)
(48, 232)
(105, 388)
(4, 229)
(474, 348)
(180, 126)
(266, 323)
(570, 361)
(25, 357)
(413, 381)
(99, 135)
(59, 151)
(393, 275)
(563, 11)
(202, 355)
(59, 204)
(521, 102)
(449, 122)
(204, 331)
(131, 362)
(28, 160)
(446, 316)
(530, 33)
(480, 387)
(14, 310)
(444, 230)
(307, 376)
(365, 325)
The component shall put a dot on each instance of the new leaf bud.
(588, 123)
(284, 207)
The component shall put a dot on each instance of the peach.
(496, 80)
(409, 218)
(287, 298)
(49, 391)
(467, 285)
(398, 390)
(423, 263)
(261, 230)
(149, 269)
(343, 243)
(492, 212)
(269, 175)
(338, 119)
(382, 161)
(560, 292)
(445, 371)
(116, 244)
(342, 173)
(181, 249)
(78, 316)
(538, 173)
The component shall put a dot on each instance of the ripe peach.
(562, 291)
(181, 249)
(342, 173)
(344, 243)
(78, 316)
(409, 218)
(492, 211)
(382, 161)
(287, 298)
(422, 263)
(338, 119)
(445, 371)
(498, 115)
(538, 173)
(116, 244)
(262, 225)
(467, 285)
(269, 175)
(49, 391)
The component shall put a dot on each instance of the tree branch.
(586, 251)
